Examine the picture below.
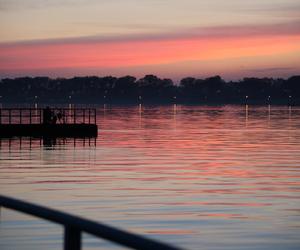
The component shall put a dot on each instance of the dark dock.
(56, 122)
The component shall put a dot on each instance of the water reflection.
(197, 176)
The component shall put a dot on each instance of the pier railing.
(74, 226)
(36, 115)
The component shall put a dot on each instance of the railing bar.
(28, 114)
(106, 232)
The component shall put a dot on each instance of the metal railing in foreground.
(36, 115)
(74, 226)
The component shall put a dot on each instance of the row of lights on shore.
(174, 97)
(70, 97)
(269, 97)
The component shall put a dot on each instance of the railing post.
(74, 117)
(72, 239)
(0, 115)
(89, 116)
(40, 111)
(83, 116)
(30, 116)
(95, 116)
(20, 112)
(9, 116)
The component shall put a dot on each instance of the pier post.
(20, 116)
(9, 116)
(72, 239)
(30, 116)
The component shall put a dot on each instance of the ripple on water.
(196, 176)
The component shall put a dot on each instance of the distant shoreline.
(146, 104)
(150, 90)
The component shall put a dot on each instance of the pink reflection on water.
(196, 172)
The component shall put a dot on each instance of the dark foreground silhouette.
(150, 89)
(37, 122)
(74, 226)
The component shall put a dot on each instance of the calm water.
(198, 177)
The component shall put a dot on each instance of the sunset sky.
(168, 38)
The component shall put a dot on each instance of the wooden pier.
(54, 122)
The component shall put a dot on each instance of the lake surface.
(199, 177)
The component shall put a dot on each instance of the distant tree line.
(150, 89)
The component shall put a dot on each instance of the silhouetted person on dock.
(60, 117)
(47, 115)
(54, 119)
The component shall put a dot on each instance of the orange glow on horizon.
(141, 53)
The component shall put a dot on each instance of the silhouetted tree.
(151, 88)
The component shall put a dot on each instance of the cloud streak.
(278, 29)
(7, 5)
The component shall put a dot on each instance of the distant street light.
(35, 104)
(290, 100)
